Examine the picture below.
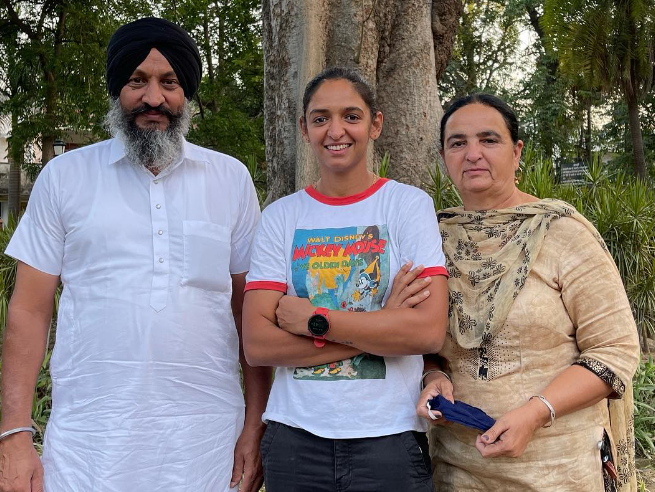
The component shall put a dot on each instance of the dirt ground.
(646, 474)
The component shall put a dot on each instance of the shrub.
(644, 397)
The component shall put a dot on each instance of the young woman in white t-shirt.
(341, 414)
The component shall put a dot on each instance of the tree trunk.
(549, 61)
(207, 46)
(445, 22)
(49, 135)
(635, 133)
(391, 43)
(15, 153)
(13, 191)
(588, 130)
(468, 49)
(221, 39)
(15, 148)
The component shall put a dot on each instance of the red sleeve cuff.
(432, 271)
(266, 285)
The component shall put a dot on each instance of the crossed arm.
(275, 326)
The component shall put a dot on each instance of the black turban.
(131, 43)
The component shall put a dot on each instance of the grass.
(644, 398)
(7, 270)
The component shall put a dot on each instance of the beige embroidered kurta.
(572, 309)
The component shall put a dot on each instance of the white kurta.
(146, 393)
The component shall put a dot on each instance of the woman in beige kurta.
(537, 307)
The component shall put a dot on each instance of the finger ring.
(432, 416)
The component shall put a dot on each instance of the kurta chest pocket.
(206, 255)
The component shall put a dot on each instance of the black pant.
(297, 461)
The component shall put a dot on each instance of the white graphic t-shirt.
(342, 254)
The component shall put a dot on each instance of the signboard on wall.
(574, 173)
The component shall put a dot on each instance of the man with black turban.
(150, 236)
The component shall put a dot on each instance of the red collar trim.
(345, 200)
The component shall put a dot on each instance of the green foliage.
(614, 136)
(602, 43)
(482, 57)
(52, 74)
(644, 398)
(230, 98)
(52, 63)
(258, 176)
(7, 270)
(606, 46)
(552, 112)
(42, 401)
(540, 179)
(383, 168)
(576, 57)
(443, 192)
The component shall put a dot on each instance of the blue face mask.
(462, 413)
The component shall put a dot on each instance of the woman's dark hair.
(360, 84)
(488, 100)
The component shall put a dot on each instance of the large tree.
(401, 46)
(607, 44)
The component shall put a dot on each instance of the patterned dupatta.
(489, 255)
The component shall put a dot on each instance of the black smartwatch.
(318, 325)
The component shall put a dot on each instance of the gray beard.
(150, 148)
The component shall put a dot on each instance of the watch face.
(318, 325)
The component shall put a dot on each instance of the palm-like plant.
(607, 45)
(644, 398)
(443, 192)
(7, 271)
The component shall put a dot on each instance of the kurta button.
(156, 181)
(161, 260)
(599, 445)
(160, 232)
(158, 206)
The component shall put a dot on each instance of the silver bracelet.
(431, 371)
(16, 431)
(550, 408)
